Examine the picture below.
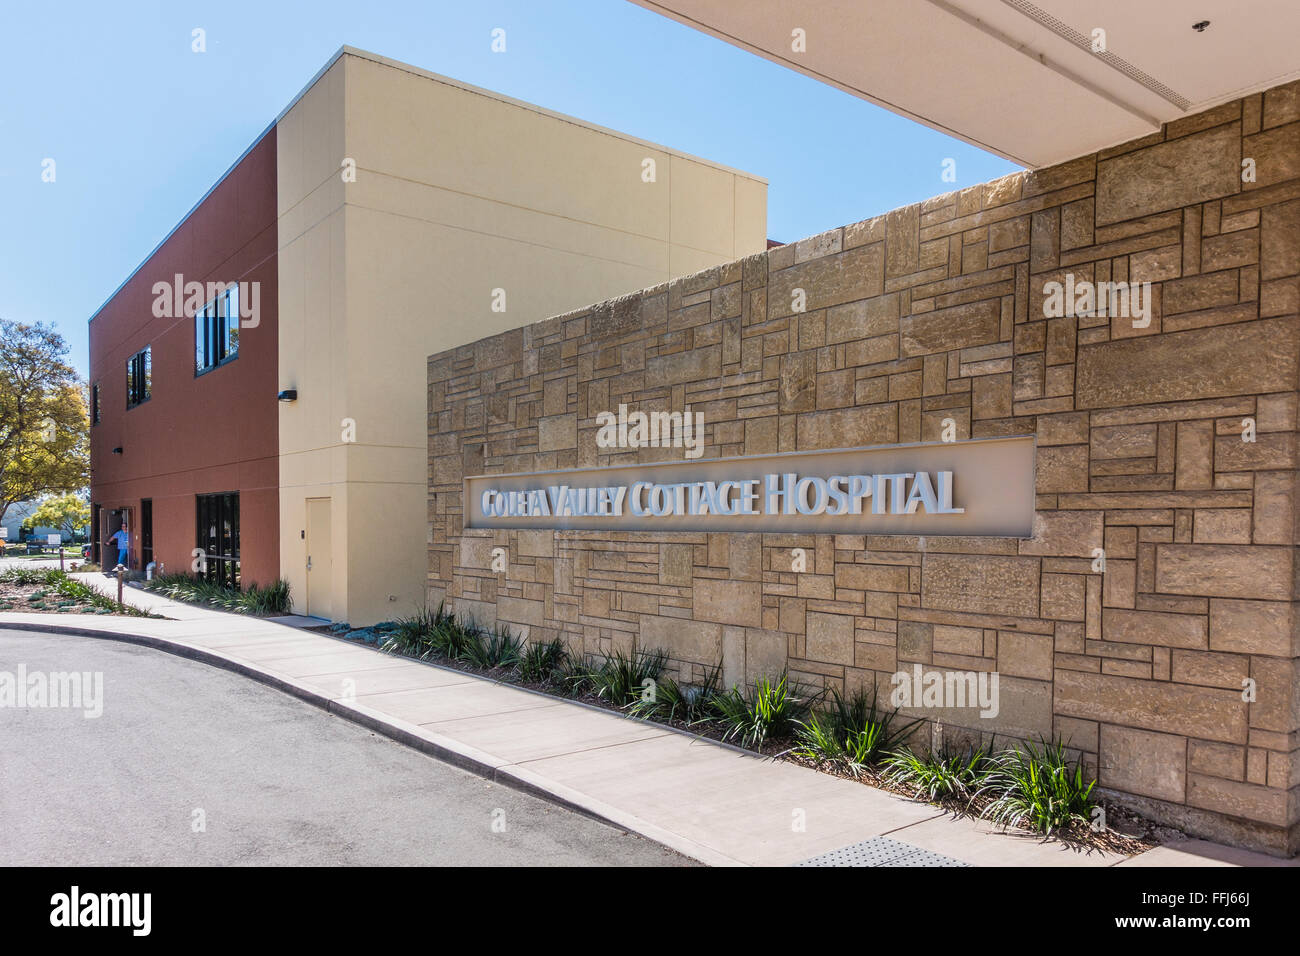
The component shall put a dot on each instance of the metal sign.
(978, 487)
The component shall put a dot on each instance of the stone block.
(1272, 516)
(728, 602)
(1233, 571)
(1154, 627)
(1209, 669)
(1240, 359)
(829, 638)
(902, 240)
(1064, 428)
(981, 584)
(864, 319)
(876, 657)
(991, 396)
(1253, 627)
(1199, 292)
(1078, 734)
(1194, 459)
(1279, 240)
(1062, 468)
(765, 655)
(871, 577)
(557, 433)
(1202, 712)
(1065, 533)
(797, 387)
(847, 427)
(679, 367)
(699, 642)
(968, 641)
(1063, 597)
(676, 564)
(915, 641)
(520, 611)
(1240, 800)
(828, 281)
(1188, 170)
(959, 326)
(1216, 760)
(1221, 526)
(537, 544)
(1142, 762)
(733, 657)
(1025, 655)
(1124, 441)
(1277, 702)
(1022, 707)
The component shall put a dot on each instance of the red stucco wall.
(196, 435)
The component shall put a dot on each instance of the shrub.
(450, 637)
(854, 731)
(25, 577)
(411, 635)
(272, 599)
(768, 711)
(576, 674)
(181, 587)
(1039, 787)
(693, 704)
(621, 680)
(943, 775)
(491, 649)
(542, 661)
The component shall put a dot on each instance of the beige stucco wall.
(458, 192)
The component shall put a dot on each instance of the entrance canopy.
(1033, 82)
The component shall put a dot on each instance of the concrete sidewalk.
(709, 801)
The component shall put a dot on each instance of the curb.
(433, 745)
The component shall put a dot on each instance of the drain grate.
(881, 851)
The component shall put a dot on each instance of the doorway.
(320, 558)
(110, 521)
(217, 537)
(146, 532)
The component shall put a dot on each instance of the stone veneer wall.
(935, 311)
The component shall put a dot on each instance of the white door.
(320, 561)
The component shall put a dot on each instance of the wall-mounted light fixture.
(1200, 26)
(288, 395)
(117, 450)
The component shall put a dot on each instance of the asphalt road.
(277, 781)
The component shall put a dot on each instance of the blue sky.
(139, 126)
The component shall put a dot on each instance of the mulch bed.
(42, 599)
(1126, 832)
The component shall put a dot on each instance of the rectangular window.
(216, 331)
(94, 404)
(139, 377)
(217, 518)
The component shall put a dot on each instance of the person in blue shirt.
(123, 540)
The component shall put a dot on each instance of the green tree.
(68, 513)
(44, 431)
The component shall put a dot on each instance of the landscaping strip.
(1027, 786)
(51, 591)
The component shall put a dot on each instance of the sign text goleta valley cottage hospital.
(980, 487)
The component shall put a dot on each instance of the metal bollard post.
(120, 571)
